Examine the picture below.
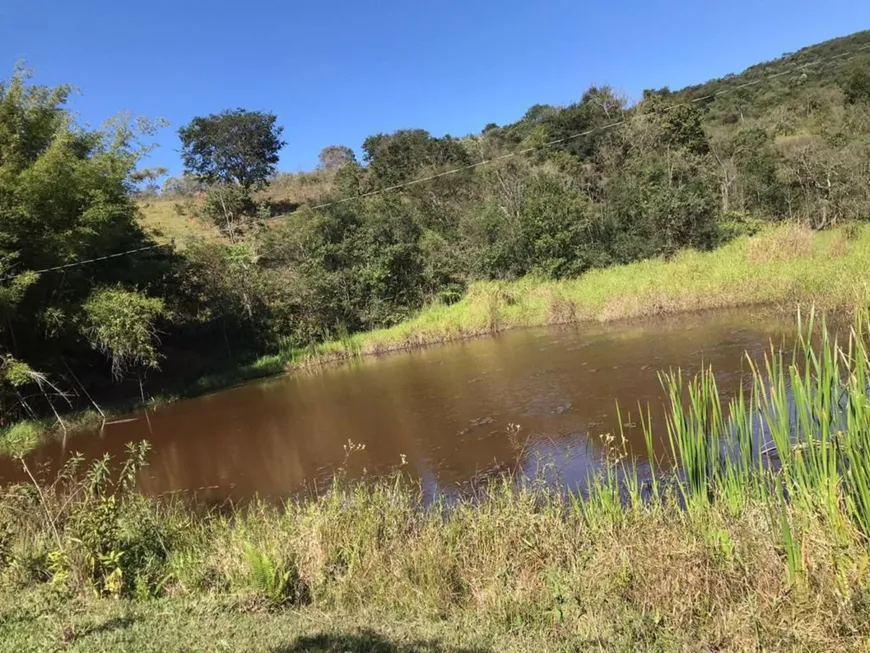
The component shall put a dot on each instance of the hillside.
(259, 272)
(800, 93)
(781, 82)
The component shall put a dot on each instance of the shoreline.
(717, 552)
(706, 554)
(778, 270)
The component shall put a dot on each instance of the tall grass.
(802, 430)
(767, 269)
(754, 535)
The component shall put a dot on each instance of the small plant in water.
(614, 452)
(351, 448)
(513, 431)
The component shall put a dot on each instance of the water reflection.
(445, 409)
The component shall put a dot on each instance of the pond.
(522, 401)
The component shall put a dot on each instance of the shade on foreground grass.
(754, 538)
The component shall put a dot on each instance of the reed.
(754, 535)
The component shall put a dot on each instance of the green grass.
(718, 551)
(21, 437)
(781, 268)
(46, 621)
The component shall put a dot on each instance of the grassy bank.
(725, 552)
(781, 268)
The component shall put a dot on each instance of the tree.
(333, 157)
(234, 147)
(679, 125)
(231, 209)
(148, 176)
(599, 106)
(66, 195)
(395, 158)
(856, 87)
(186, 185)
(120, 324)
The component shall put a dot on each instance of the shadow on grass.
(115, 623)
(69, 634)
(280, 208)
(367, 641)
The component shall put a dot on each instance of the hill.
(795, 99)
(325, 254)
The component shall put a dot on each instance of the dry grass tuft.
(561, 310)
(840, 244)
(781, 244)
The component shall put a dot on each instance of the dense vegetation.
(725, 552)
(687, 169)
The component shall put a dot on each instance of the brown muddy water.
(442, 414)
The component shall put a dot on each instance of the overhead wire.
(89, 261)
(587, 132)
(483, 162)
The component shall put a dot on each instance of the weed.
(276, 581)
(753, 537)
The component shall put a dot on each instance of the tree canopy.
(239, 147)
(65, 196)
(299, 258)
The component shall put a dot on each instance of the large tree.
(332, 157)
(233, 147)
(65, 197)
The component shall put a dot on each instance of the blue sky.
(336, 71)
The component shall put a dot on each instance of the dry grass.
(841, 243)
(525, 566)
(176, 220)
(782, 244)
(298, 188)
(179, 218)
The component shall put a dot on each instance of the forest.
(104, 296)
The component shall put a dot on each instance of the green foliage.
(231, 209)
(856, 87)
(232, 147)
(121, 324)
(65, 195)
(395, 158)
(105, 538)
(277, 582)
(15, 372)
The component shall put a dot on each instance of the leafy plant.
(275, 580)
(121, 324)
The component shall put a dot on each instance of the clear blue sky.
(335, 71)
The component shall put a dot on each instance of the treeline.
(675, 170)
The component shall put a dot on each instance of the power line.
(484, 162)
(587, 132)
(90, 260)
